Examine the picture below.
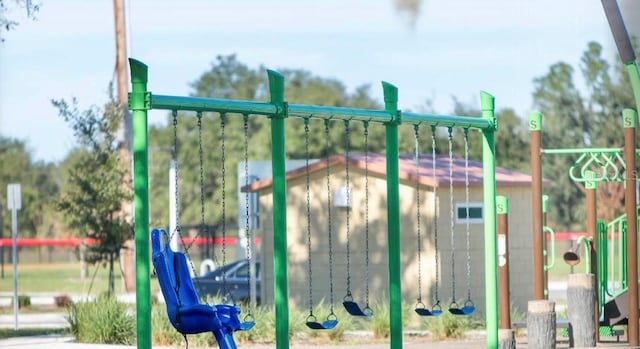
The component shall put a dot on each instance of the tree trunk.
(581, 300)
(111, 290)
(506, 339)
(541, 325)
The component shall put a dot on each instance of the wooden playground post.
(535, 126)
(506, 339)
(630, 122)
(591, 186)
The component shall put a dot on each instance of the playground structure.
(278, 111)
(593, 166)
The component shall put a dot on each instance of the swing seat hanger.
(329, 323)
(422, 310)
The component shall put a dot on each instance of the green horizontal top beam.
(164, 102)
(212, 105)
(447, 121)
(340, 113)
(568, 151)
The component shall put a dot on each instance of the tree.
(576, 119)
(38, 186)
(93, 194)
(6, 6)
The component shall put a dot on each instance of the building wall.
(520, 243)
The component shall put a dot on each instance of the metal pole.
(138, 105)
(630, 122)
(393, 215)
(591, 187)
(490, 240)
(278, 158)
(535, 127)
(14, 258)
(502, 207)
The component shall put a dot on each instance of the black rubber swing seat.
(328, 324)
(422, 310)
(185, 312)
(354, 309)
(467, 309)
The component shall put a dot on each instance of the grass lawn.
(61, 278)
(28, 332)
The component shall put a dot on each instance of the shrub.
(104, 320)
(62, 301)
(448, 326)
(380, 319)
(23, 301)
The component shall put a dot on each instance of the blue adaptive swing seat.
(184, 309)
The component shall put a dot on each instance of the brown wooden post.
(541, 324)
(545, 246)
(591, 186)
(630, 122)
(535, 128)
(581, 300)
(506, 339)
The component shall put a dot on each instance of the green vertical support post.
(278, 157)
(634, 77)
(490, 224)
(622, 258)
(393, 216)
(139, 104)
(602, 270)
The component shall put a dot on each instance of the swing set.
(186, 312)
(468, 306)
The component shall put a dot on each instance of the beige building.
(450, 229)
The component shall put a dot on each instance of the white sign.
(14, 201)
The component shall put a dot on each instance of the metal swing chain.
(466, 194)
(203, 226)
(366, 212)
(451, 219)
(223, 195)
(436, 209)
(416, 130)
(307, 187)
(174, 114)
(328, 174)
(348, 215)
(249, 255)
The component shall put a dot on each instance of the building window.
(475, 213)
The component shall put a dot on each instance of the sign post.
(14, 203)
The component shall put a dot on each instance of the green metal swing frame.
(278, 110)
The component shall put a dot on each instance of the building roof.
(407, 171)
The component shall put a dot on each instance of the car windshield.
(241, 270)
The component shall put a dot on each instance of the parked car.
(235, 282)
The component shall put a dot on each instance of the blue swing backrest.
(185, 311)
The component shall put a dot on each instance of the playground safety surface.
(64, 342)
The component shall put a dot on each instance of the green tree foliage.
(38, 188)
(94, 193)
(573, 118)
(7, 22)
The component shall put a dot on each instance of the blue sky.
(457, 47)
